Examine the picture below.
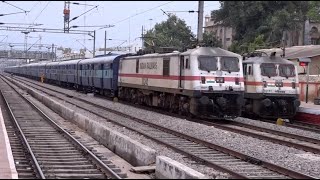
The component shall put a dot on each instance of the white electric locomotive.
(204, 81)
(272, 87)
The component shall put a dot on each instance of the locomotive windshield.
(268, 69)
(230, 64)
(286, 70)
(207, 63)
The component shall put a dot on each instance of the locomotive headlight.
(293, 85)
(203, 79)
(237, 81)
(265, 84)
(220, 79)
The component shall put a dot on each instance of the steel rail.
(93, 157)
(239, 155)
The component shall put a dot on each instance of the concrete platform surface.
(7, 167)
(309, 108)
(166, 168)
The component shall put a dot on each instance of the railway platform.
(309, 113)
(7, 167)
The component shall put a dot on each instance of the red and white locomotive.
(272, 87)
(205, 82)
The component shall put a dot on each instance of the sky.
(128, 17)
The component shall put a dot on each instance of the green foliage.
(170, 33)
(314, 11)
(262, 23)
(209, 39)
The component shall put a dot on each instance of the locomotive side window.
(250, 70)
(137, 66)
(166, 66)
(187, 63)
(286, 70)
(244, 69)
(268, 69)
(230, 64)
(208, 63)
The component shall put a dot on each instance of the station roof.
(296, 52)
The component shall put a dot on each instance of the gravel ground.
(292, 158)
(279, 128)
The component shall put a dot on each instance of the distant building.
(298, 37)
(223, 33)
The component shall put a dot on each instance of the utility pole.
(200, 21)
(66, 12)
(105, 42)
(94, 44)
(142, 39)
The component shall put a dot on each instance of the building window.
(227, 39)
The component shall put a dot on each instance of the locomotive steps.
(134, 152)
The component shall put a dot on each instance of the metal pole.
(142, 39)
(307, 88)
(200, 21)
(52, 52)
(55, 54)
(94, 44)
(105, 42)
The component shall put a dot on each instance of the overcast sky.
(50, 14)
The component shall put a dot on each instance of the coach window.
(137, 66)
(166, 66)
(249, 70)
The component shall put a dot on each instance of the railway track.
(275, 136)
(299, 125)
(226, 160)
(53, 151)
(283, 138)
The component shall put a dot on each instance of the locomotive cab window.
(286, 70)
(208, 63)
(166, 66)
(230, 64)
(268, 69)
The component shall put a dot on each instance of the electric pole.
(105, 42)
(200, 21)
(66, 12)
(142, 38)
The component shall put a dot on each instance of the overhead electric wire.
(15, 6)
(12, 13)
(142, 12)
(83, 13)
(41, 11)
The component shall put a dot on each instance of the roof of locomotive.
(151, 55)
(206, 51)
(210, 51)
(267, 59)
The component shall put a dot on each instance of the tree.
(170, 33)
(209, 39)
(251, 19)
